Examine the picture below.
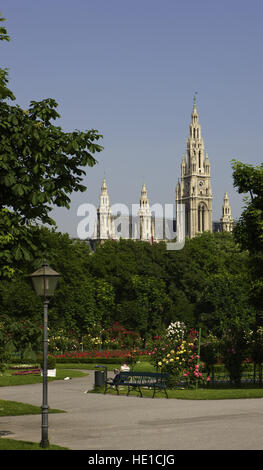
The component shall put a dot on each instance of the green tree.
(21, 313)
(224, 303)
(74, 304)
(105, 301)
(248, 231)
(117, 264)
(40, 166)
(210, 352)
(193, 270)
(234, 349)
(256, 351)
(152, 303)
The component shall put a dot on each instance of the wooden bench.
(136, 380)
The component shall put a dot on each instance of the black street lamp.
(44, 281)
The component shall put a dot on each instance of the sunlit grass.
(7, 379)
(12, 444)
(15, 408)
(192, 394)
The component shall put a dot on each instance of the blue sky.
(130, 69)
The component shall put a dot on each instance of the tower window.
(201, 218)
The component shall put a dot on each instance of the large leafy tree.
(40, 166)
(248, 231)
(193, 270)
(153, 303)
(224, 303)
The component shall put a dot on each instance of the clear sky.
(130, 68)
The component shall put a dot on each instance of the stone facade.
(194, 189)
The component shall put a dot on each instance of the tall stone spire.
(194, 190)
(226, 220)
(145, 216)
(104, 214)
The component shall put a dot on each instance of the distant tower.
(104, 224)
(145, 216)
(194, 190)
(226, 220)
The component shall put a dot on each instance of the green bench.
(137, 380)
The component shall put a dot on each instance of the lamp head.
(45, 280)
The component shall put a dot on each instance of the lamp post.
(44, 281)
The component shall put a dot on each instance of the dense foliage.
(142, 286)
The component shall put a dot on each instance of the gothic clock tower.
(194, 190)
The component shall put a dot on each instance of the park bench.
(137, 380)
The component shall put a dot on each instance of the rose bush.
(175, 353)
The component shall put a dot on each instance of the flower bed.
(107, 357)
(26, 372)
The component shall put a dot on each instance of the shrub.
(234, 349)
(210, 352)
(175, 355)
(51, 364)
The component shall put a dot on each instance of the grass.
(193, 394)
(7, 379)
(15, 408)
(12, 444)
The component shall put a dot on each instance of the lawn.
(15, 408)
(7, 379)
(12, 444)
(221, 393)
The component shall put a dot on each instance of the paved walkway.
(106, 422)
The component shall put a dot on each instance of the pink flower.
(208, 378)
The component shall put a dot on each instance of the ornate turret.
(226, 220)
(145, 216)
(104, 214)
